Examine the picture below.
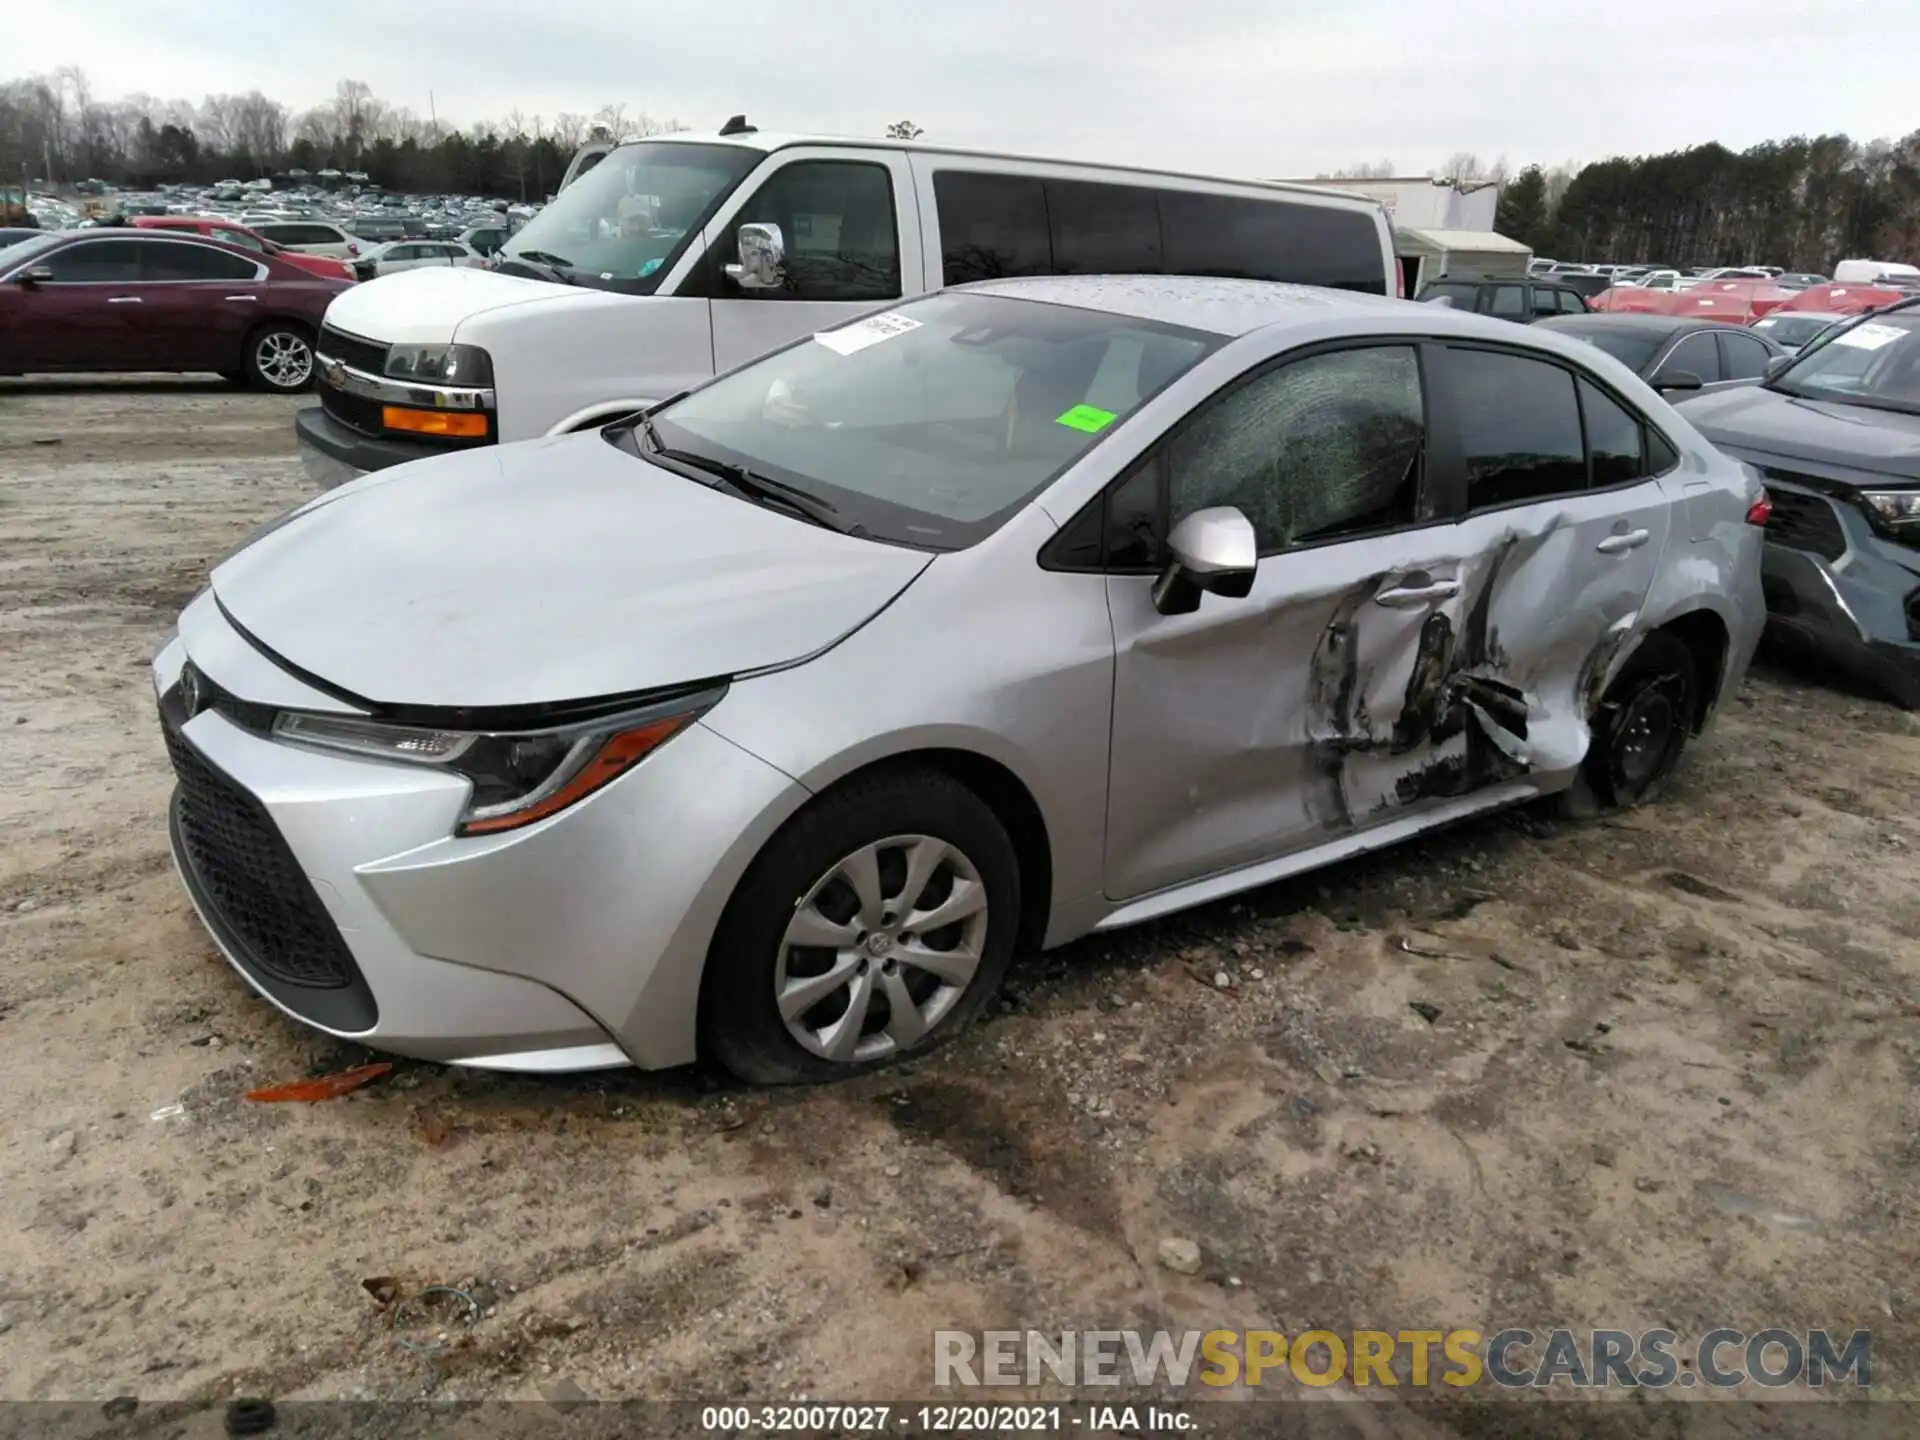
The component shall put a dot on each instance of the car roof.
(1219, 306)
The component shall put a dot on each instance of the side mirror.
(1777, 364)
(1214, 552)
(763, 257)
(39, 275)
(1676, 380)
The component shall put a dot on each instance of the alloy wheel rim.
(286, 360)
(881, 948)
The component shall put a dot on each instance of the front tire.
(279, 358)
(1639, 731)
(872, 928)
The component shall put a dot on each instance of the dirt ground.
(1655, 1070)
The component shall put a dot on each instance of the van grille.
(364, 355)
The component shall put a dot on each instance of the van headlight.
(440, 364)
(518, 776)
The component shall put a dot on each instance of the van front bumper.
(332, 453)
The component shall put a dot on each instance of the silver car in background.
(771, 723)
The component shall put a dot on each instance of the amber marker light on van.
(458, 424)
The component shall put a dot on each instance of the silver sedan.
(770, 725)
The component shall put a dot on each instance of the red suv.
(132, 300)
(232, 233)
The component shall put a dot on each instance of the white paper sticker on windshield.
(862, 333)
(1870, 336)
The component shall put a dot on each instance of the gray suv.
(769, 723)
(1836, 432)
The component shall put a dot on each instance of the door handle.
(243, 297)
(1408, 596)
(123, 300)
(1623, 542)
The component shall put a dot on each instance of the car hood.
(555, 570)
(426, 306)
(1764, 423)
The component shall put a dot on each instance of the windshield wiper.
(542, 257)
(749, 485)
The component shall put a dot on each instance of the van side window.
(1278, 239)
(1104, 229)
(836, 218)
(991, 226)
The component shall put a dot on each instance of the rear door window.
(1103, 229)
(991, 226)
(1519, 428)
(1614, 438)
(176, 260)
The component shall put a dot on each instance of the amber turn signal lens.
(462, 424)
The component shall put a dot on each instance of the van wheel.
(872, 928)
(1639, 731)
(280, 358)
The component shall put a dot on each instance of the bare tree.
(904, 130)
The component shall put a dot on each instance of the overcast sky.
(1244, 87)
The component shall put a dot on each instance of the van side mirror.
(1214, 552)
(763, 257)
(1676, 380)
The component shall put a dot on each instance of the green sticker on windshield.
(1090, 418)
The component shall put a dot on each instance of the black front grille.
(250, 881)
(365, 355)
(1805, 522)
(355, 411)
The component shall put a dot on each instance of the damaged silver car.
(772, 723)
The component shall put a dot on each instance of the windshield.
(620, 225)
(1632, 348)
(931, 424)
(1792, 331)
(1874, 362)
(33, 244)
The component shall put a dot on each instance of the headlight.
(441, 364)
(1895, 513)
(518, 777)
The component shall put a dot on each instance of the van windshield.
(621, 225)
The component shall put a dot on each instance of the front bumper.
(575, 943)
(1835, 586)
(332, 453)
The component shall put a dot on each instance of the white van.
(1872, 272)
(680, 256)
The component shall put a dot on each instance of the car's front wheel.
(280, 358)
(873, 927)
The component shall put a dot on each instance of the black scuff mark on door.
(1337, 717)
